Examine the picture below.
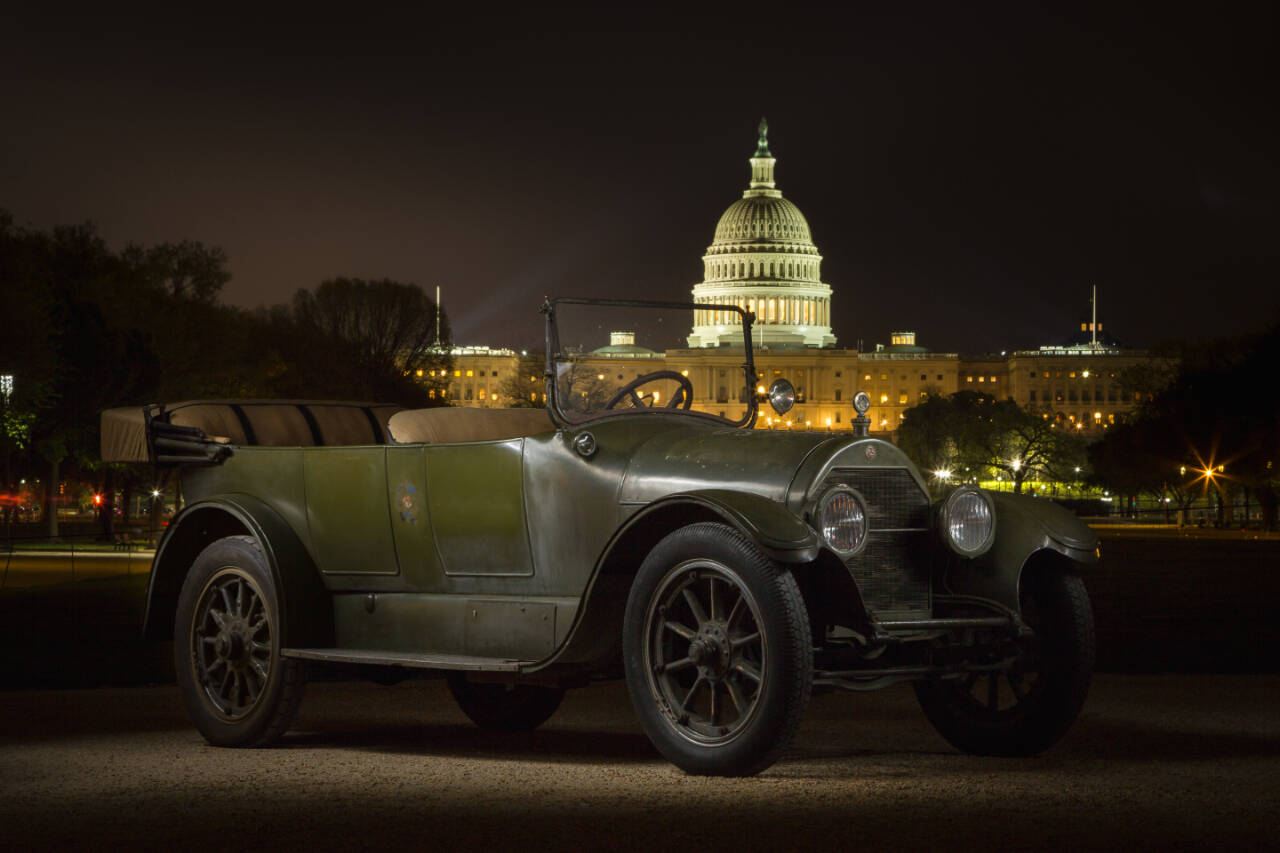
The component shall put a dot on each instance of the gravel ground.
(1156, 762)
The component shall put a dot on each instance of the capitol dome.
(763, 260)
(762, 218)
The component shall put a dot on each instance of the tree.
(527, 389)
(1215, 420)
(356, 339)
(975, 432)
(186, 271)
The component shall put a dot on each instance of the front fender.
(1024, 526)
(780, 533)
(597, 632)
(306, 609)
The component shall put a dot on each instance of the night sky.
(967, 174)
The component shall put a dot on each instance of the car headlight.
(967, 519)
(842, 520)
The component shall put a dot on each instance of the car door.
(476, 505)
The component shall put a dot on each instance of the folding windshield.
(612, 357)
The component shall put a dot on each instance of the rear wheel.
(236, 686)
(717, 652)
(505, 707)
(1027, 708)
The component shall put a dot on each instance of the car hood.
(763, 462)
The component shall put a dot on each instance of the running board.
(410, 659)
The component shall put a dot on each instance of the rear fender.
(306, 609)
(1025, 526)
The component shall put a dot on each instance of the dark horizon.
(966, 177)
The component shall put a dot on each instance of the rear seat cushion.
(451, 425)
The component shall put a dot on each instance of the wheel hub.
(711, 650)
(232, 644)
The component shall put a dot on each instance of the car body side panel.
(274, 475)
(573, 501)
(347, 510)
(1024, 525)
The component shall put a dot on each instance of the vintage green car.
(725, 572)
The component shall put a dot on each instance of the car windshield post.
(553, 349)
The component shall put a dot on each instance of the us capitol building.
(763, 259)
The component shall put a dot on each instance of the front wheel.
(236, 686)
(1028, 707)
(717, 652)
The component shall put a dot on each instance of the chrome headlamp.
(967, 521)
(841, 518)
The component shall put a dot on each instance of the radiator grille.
(892, 572)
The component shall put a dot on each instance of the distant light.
(97, 500)
(684, 373)
(524, 352)
(155, 493)
(1077, 469)
(1085, 374)
(1016, 464)
(943, 474)
(759, 389)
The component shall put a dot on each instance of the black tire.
(238, 689)
(717, 652)
(505, 707)
(1028, 709)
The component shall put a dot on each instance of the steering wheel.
(682, 398)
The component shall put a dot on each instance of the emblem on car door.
(407, 502)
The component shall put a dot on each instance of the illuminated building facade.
(763, 260)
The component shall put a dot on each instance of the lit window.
(481, 393)
(867, 378)
(1071, 375)
(982, 379)
(884, 398)
(471, 373)
(432, 394)
(419, 371)
(902, 398)
(457, 373)
(883, 377)
(968, 379)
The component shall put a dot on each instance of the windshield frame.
(548, 308)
